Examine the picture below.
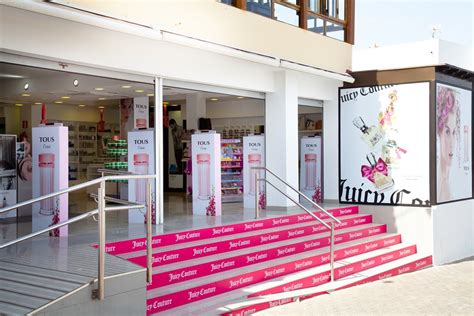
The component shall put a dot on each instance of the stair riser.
(410, 267)
(220, 247)
(324, 277)
(165, 302)
(125, 246)
(197, 271)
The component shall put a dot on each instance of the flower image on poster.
(384, 148)
(453, 143)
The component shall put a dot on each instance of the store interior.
(90, 107)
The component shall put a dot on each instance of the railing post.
(332, 251)
(101, 270)
(257, 194)
(149, 254)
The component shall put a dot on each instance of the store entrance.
(188, 112)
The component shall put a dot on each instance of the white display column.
(331, 147)
(253, 156)
(310, 177)
(195, 109)
(281, 136)
(141, 160)
(206, 165)
(50, 174)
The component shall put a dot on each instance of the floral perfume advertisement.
(206, 163)
(310, 171)
(253, 156)
(141, 160)
(8, 174)
(384, 147)
(453, 143)
(50, 174)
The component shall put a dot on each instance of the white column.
(331, 147)
(195, 109)
(281, 136)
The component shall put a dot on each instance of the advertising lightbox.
(253, 156)
(310, 171)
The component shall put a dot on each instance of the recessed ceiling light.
(81, 105)
(102, 99)
(66, 97)
(174, 104)
(139, 90)
(25, 94)
(214, 99)
(101, 107)
(150, 95)
(38, 103)
(165, 103)
(58, 102)
(19, 104)
(75, 83)
(240, 97)
(26, 86)
(99, 89)
(126, 87)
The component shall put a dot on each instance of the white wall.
(453, 231)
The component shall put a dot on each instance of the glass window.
(315, 24)
(335, 31)
(286, 14)
(262, 7)
(314, 5)
(229, 2)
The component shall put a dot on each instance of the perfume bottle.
(370, 135)
(254, 160)
(204, 170)
(377, 172)
(310, 165)
(140, 163)
(140, 123)
(46, 170)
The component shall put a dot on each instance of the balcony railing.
(332, 18)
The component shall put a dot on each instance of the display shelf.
(310, 131)
(231, 170)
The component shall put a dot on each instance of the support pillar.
(195, 109)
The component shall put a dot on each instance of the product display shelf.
(116, 159)
(231, 170)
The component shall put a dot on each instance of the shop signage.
(141, 112)
(141, 160)
(50, 174)
(8, 174)
(253, 156)
(206, 166)
(453, 143)
(384, 145)
(310, 170)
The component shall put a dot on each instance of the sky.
(388, 22)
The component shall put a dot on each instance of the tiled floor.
(74, 253)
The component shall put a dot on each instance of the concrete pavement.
(441, 290)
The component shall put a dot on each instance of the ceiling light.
(19, 104)
(25, 94)
(99, 89)
(81, 105)
(214, 99)
(126, 87)
(66, 97)
(26, 86)
(240, 97)
(139, 90)
(38, 103)
(165, 103)
(174, 104)
(102, 99)
(75, 83)
(150, 95)
(58, 102)
(101, 107)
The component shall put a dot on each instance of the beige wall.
(212, 21)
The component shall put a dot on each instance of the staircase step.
(124, 246)
(203, 250)
(31, 290)
(10, 308)
(40, 281)
(163, 298)
(28, 302)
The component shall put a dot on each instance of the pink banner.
(172, 300)
(209, 249)
(137, 244)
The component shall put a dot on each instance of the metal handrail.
(99, 293)
(299, 193)
(330, 226)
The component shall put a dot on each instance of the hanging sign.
(253, 156)
(310, 171)
(140, 112)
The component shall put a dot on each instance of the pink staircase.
(242, 268)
